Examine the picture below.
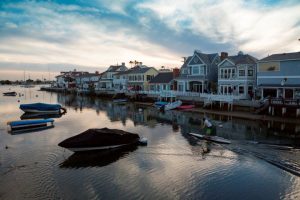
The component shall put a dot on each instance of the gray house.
(199, 73)
(278, 75)
(237, 75)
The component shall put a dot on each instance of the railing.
(285, 102)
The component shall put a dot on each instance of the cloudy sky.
(48, 36)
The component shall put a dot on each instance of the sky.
(41, 38)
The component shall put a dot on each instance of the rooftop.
(282, 56)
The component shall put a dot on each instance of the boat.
(160, 103)
(172, 105)
(42, 108)
(185, 107)
(9, 93)
(40, 115)
(100, 139)
(30, 125)
(212, 138)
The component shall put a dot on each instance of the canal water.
(174, 165)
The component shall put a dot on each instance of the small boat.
(172, 105)
(212, 138)
(42, 108)
(100, 139)
(160, 103)
(185, 107)
(10, 94)
(30, 125)
(40, 115)
(120, 100)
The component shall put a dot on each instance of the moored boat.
(9, 93)
(172, 105)
(100, 139)
(42, 108)
(212, 138)
(185, 107)
(30, 125)
(120, 100)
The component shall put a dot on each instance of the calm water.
(172, 166)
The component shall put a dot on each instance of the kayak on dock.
(30, 125)
(100, 139)
(42, 108)
(185, 107)
(212, 138)
(9, 93)
(172, 105)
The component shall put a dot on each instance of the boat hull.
(30, 125)
(42, 108)
(212, 138)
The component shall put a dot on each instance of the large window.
(250, 72)
(241, 89)
(195, 70)
(241, 72)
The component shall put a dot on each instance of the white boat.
(212, 138)
(172, 105)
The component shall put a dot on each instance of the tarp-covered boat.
(100, 139)
(30, 125)
(10, 94)
(42, 108)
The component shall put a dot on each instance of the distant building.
(278, 75)
(107, 78)
(164, 81)
(68, 79)
(87, 82)
(199, 73)
(237, 75)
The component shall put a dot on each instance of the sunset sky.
(39, 37)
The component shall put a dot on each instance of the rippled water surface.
(172, 166)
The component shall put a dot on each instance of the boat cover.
(28, 122)
(40, 106)
(100, 137)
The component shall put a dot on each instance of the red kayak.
(186, 107)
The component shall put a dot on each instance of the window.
(221, 72)
(148, 78)
(233, 73)
(241, 89)
(241, 72)
(250, 72)
(202, 70)
(195, 70)
(164, 87)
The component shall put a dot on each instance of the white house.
(107, 78)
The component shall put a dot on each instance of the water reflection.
(39, 116)
(96, 158)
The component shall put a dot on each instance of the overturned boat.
(10, 94)
(30, 125)
(100, 139)
(42, 108)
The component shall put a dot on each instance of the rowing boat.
(212, 138)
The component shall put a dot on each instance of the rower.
(207, 125)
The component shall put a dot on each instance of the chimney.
(176, 72)
(123, 64)
(184, 59)
(224, 55)
(97, 72)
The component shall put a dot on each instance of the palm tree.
(131, 62)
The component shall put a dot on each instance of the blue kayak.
(161, 103)
(31, 122)
(41, 107)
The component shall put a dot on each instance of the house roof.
(206, 58)
(135, 70)
(242, 59)
(164, 77)
(114, 68)
(282, 56)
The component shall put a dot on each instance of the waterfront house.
(237, 75)
(164, 80)
(199, 73)
(87, 82)
(67, 79)
(278, 75)
(106, 82)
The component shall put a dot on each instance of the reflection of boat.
(185, 107)
(40, 115)
(100, 139)
(10, 94)
(211, 138)
(30, 125)
(120, 100)
(96, 158)
(42, 108)
(172, 105)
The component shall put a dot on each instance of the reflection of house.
(138, 77)
(236, 74)
(67, 79)
(279, 75)
(199, 73)
(106, 82)
(164, 81)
